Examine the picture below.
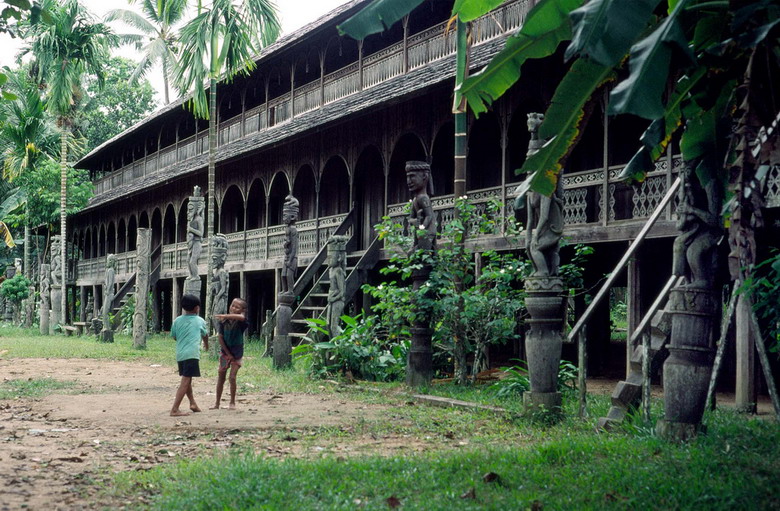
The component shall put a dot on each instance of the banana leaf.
(376, 17)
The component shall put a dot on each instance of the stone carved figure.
(142, 271)
(89, 312)
(544, 225)
(337, 273)
(56, 263)
(695, 250)
(109, 291)
(219, 277)
(290, 268)
(195, 209)
(422, 220)
(45, 293)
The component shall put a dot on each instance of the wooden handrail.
(624, 260)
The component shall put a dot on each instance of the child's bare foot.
(195, 408)
(179, 413)
(232, 406)
(215, 407)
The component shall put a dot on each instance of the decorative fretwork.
(575, 206)
(648, 195)
(582, 179)
(772, 194)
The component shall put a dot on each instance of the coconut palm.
(27, 136)
(218, 41)
(66, 49)
(157, 43)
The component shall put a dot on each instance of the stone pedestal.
(282, 345)
(419, 365)
(543, 343)
(56, 307)
(687, 371)
(44, 313)
(192, 286)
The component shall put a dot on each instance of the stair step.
(311, 308)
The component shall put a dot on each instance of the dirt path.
(57, 451)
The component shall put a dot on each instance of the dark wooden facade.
(333, 121)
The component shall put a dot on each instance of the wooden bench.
(81, 327)
(69, 330)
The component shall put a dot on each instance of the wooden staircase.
(628, 393)
(315, 303)
(127, 289)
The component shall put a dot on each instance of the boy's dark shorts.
(189, 367)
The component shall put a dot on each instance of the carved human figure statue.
(195, 209)
(290, 268)
(219, 278)
(109, 290)
(56, 263)
(544, 225)
(45, 304)
(421, 219)
(695, 249)
(337, 269)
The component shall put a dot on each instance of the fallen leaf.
(537, 506)
(72, 459)
(393, 502)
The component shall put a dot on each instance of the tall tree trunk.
(165, 80)
(212, 185)
(63, 217)
(459, 186)
(27, 249)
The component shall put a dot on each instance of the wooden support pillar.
(745, 392)
(634, 306)
(83, 302)
(242, 287)
(175, 299)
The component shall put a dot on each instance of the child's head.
(238, 306)
(189, 303)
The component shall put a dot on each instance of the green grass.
(12, 389)
(733, 467)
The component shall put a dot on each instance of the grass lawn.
(472, 459)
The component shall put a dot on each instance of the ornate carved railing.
(423, 48)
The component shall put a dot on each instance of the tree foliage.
(15, 289)
(118, 105)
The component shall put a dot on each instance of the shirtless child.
(231, 339)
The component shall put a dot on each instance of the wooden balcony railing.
(423, 48)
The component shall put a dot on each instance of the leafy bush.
(516, 382)
(764, 286)
(16, 289)
(362, 349)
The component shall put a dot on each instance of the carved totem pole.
(544, 288)
(694, 307)
(56, 283)
(195, 209)
(219, 278)
(337, 274)
(45, 305)
(282, 345)
(109, 291)
(422, 222)
(143, 267)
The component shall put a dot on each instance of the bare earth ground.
(56, 452)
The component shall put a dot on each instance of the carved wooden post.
(545, 291)
(694, 307)
(195, 208)
(219, 283)
(56, 282)
(337, 272)
(45, 298)
(107, 334)
(422, 221)
(282, 346)
(142, 270)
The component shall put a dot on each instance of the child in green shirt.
(188, 330)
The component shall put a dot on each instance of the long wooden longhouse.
(332, 121)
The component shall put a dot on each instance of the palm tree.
(156, 24)
(219, 41)
(64, 51)
(27, 136)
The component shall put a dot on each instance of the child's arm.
(205, 341)
(230, 317)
